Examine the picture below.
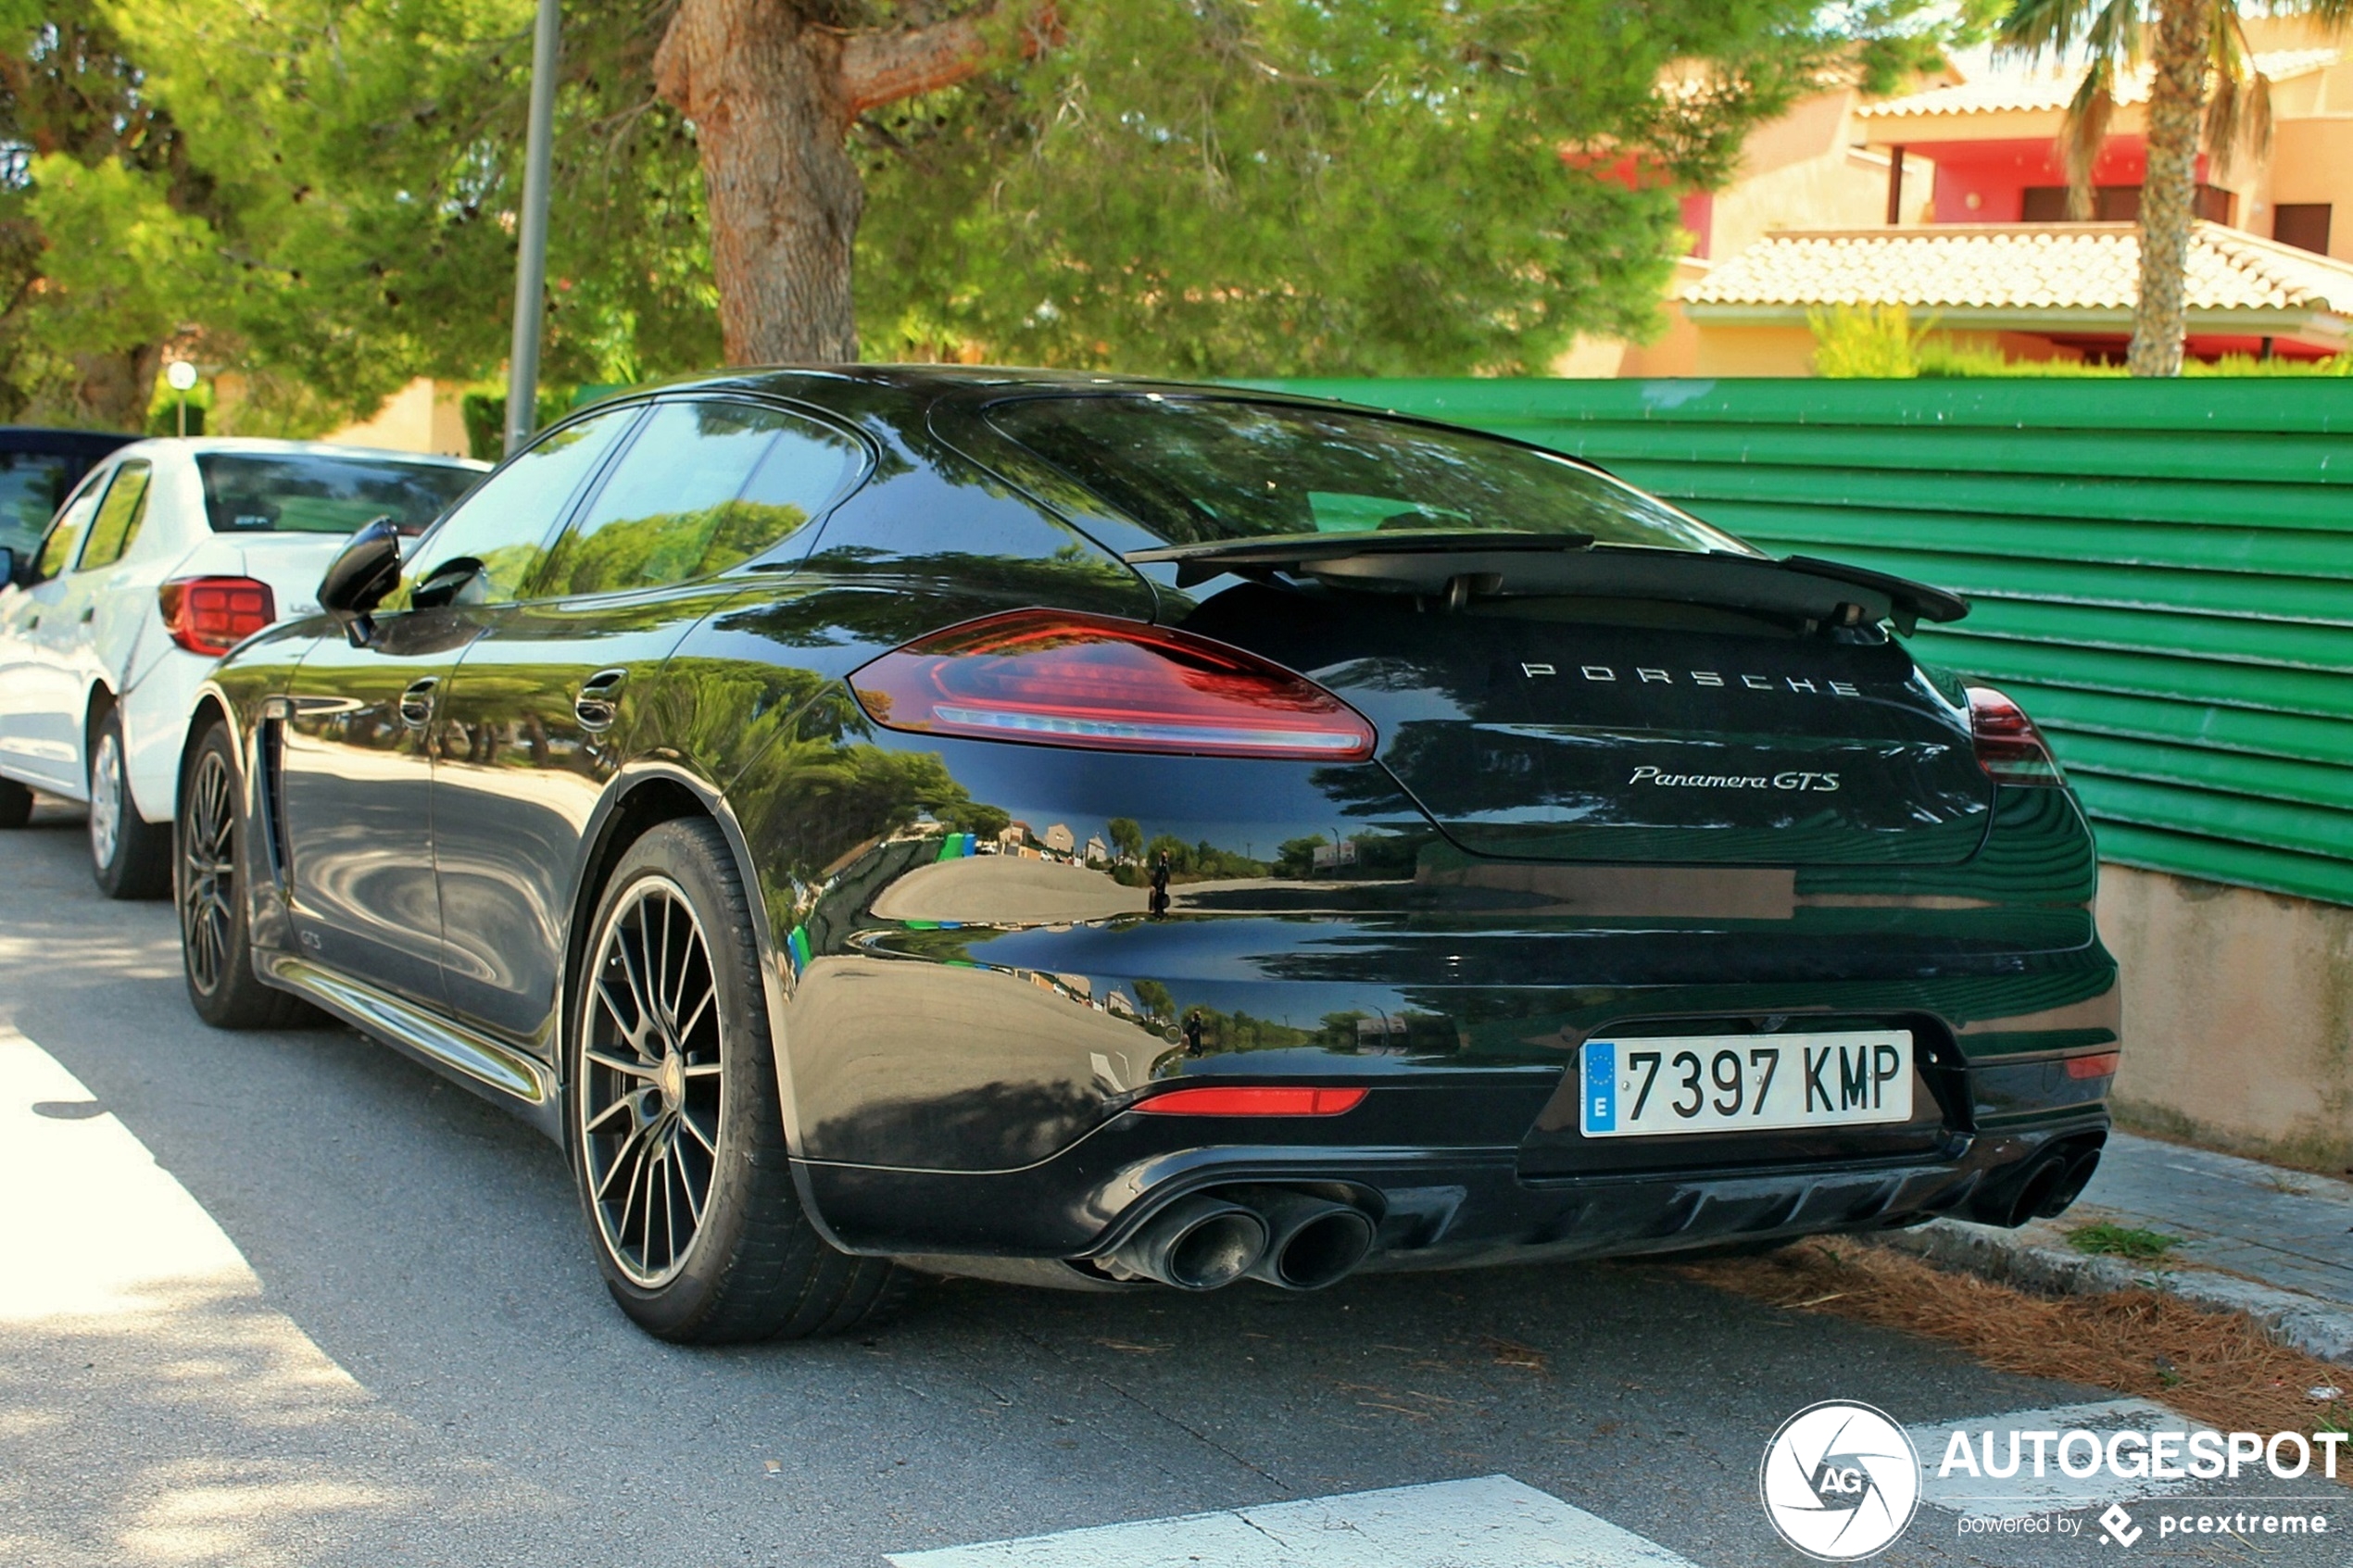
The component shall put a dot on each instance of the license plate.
(1745, 1083)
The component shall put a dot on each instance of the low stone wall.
(2238, 1016)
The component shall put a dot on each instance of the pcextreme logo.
(1840, 1481)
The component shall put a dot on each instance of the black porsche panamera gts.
(1097, 832)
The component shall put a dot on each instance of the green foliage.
(485, 413)
(1895, 38)
(2118, 1241)
(1296, 857)
(1198, 862)
(100, 221)
(363, 161)
(650, 552)
(1391, 187)
(1854, 341)
(163, 408)
(319, 194)
(1882, 342)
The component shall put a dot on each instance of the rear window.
(1195, 470)
(299, 492)
(32, 484)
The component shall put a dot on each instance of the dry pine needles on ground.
(2214, 1367)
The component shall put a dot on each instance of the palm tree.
(2204, 86)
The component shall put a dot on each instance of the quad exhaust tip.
(1311, 1242)
(1292, 1240)
(1197, 1243)
(2052, 1181)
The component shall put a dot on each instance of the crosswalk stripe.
(2025, 1493)
(1492, 1522)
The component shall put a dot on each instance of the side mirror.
(359, 578)
(452, 583)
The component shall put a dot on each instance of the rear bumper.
(965, 1018)
(1451, 1208)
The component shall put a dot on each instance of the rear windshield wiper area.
(1456, 566)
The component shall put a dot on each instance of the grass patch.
(2214, 1367)
(2104, 1240)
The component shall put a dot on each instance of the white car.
(168, 555)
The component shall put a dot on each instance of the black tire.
(216, 954)
(1718, 1250)
(130, 856)
(16, 804)
(684, 1090)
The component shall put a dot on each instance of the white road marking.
(2024, 1494)
(1494, 1522)
(155, 1410)
(110, 1231)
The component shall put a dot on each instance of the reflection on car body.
(1099, 833)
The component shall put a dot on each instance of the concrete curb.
(2019, 1257)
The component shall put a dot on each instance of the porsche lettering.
(1717, 679)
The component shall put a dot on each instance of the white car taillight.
(211, 615)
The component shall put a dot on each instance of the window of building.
(2302, 224)
(2044, 204)
(2115, 203)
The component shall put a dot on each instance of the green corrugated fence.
(2162, 572)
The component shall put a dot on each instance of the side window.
(56, 549)
(119, 516)
(32, 484)
(505, 523)
(703, 486)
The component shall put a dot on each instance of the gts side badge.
(1649, 677)
(1816, 784)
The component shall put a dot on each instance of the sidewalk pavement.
(2274, 1244)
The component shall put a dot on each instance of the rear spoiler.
(1456, 565)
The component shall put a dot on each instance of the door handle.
(33, 624)
(416, 703)
(598, 703)
(88, 613)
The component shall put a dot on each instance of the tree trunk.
(763, 89)
(111, 391)
(2169, 190)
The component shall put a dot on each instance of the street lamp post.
(180, 375)
(531, 234)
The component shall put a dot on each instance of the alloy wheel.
(208, 867)
(106, 798)
(648, 1100)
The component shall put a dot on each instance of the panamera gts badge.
(1816, 784)
(1641, 675)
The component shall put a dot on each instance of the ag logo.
(1840, 1481)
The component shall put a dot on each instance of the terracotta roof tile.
(2050, 90)
(2007, 265)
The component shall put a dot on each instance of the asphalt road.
(366, 1329)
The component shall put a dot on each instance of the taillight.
(2100, 1065)
(1092, 681)
(1253, 1100)
(211, 615)
(2009, 748)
